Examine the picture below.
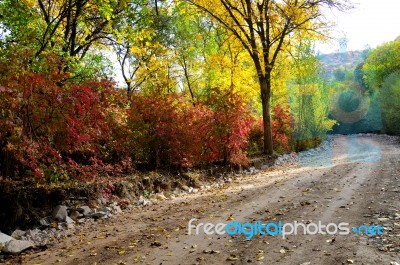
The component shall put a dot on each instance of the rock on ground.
(60, 213)
(4, 239)
(17, 246)
(85, 210)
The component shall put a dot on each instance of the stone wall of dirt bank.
(23, 208)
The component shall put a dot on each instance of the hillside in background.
(348, 60)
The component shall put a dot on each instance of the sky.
(370, 22)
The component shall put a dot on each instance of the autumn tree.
(265, 29)
(138, 38)
(208, 57)
(79, 31)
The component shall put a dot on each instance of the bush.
(55, 130)
(168, 130)
(165, 129)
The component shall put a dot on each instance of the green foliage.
(390, 103)
(381, 62)
(339, 74)
(309, 97)
(381, 75)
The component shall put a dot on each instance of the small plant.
(146, 194)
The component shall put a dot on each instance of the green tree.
(309, 98)
(390, 103)
(381, 62)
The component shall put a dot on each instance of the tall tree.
(68, 27)
(265, 29)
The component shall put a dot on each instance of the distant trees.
(381, 73)
(390, 103)
(368, 95)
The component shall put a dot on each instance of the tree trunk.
(265, 87)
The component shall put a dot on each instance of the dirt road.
(358, 193)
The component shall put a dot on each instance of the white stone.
(17, 246)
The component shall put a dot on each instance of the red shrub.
(56, 129)
(281, 131)
(231, 126)
(169, 130)
(165, 129)
(281, 128)
(53, 129)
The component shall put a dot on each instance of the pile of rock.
(78, 214)
(317, 157)
(286, 159)
(61, 223)
(151, 199)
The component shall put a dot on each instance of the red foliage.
(281, 130)
(231, 126)
(163, 129)
(54, 130)
(169, 130)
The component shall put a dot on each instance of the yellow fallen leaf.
(260, 255)
(232, 258)
(230, 218)
(122, 252)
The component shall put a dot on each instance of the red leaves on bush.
(170, 130)
(54, 130)
(281, 130)
(231, 126)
